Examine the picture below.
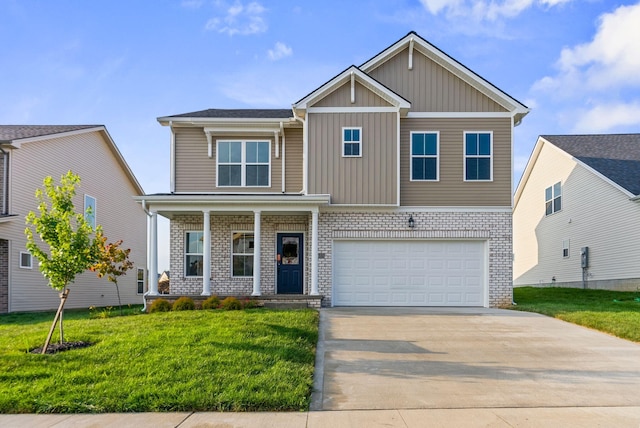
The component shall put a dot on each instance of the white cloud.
(279, 51)
(605, 117)
(484, 10)
(239, 19)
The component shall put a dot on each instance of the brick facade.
(493, 227)
(4, 276)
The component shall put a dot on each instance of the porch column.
(206, 255)
(314, 252)
(152, 277)
(256, 253)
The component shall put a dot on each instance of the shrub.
(231, 304)
(160, 305)
(212, 302)
(250, 304)
(184, 303)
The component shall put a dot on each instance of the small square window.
(352, 142)
(26, 261)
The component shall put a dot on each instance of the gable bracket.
(411, 54)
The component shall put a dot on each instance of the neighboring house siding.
(341, 97)
(594, 214)
(4, 276)
(430, 87)
(293, 160)
(4, 208)
(451, 189)
(370, 179)
(89, 156)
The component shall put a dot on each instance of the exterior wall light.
(412, 222)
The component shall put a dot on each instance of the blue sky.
(125, 63)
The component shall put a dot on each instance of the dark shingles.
(616, 156)
(17, 132)
(215, 113)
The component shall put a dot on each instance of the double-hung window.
(352, 142)
(553, 198)
(140, 280)
(244, 163)
(90, 210)
(242, 247)
(424, 156)
(478, 156)
(193, 257)
(26, 261)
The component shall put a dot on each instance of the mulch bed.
(61, 347)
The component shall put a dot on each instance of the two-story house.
(389, 185)
(29, 153)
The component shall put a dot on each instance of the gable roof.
(15, 135)
(616, 156)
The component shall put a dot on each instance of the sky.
(123, 64)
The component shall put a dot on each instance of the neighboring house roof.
(236, 114)
(616, 156)
(15, 135)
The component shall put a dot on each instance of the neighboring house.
(389, 185)
(576, 213)
(28, 154)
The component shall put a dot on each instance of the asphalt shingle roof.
(616, 156)
(239, 114)
(10, 133)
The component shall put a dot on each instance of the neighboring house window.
(193, 254)
(565, 248)
(352, 142)
(424, 156)
(477, 156)
(26, 261)
(553, 199)
(90, 210)
(140, 280)
(242, 254)
(244, 163)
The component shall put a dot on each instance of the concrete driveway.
(406, 358)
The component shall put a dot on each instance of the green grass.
(246, 360)
(613, 312)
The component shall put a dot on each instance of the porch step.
(286, 305)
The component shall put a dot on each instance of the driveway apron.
(455, 358)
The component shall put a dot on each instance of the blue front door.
(290, 263)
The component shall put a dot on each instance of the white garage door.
(408, 273)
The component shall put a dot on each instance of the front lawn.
(613, 312)
(202, 360)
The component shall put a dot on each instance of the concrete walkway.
(438, 368)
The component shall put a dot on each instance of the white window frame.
(92, 220)
(23, 266)
(242, 232)
(566, 248)
(553, 198)
(358, 142)
(243, 162)
(186, 254)
(478, 156)
(437, 156)
(138, 280)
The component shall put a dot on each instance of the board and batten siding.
(451, 189)
(430, 87)
(370, 179)
(89, 156)
(594, 214)
(293, 160)
(341, 97)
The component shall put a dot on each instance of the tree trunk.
(63, 299)
(119, 301)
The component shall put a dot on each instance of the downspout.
(305, 149)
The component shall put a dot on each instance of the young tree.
(72, 244)
(113, 262)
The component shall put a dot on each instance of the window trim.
(26, 253)
(93, 213)
(186, 254)
(138, 280)
(553, 199)
(437, 156)
(243, 162)
(243, 232)
(359, 142)
(465, 157)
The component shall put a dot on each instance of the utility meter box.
(584, 257)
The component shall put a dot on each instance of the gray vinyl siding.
(4, 208)
(341, 97)
(89, 156)
(293, 160)
(196, 172)
(370, 179)
(430, 87)
(451, 189)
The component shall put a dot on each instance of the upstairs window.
(193, 257)
(90, 210)
(553, 199)
(478, 156)
(26, 261)
(424, 156)
(244, 163)
(352, 142)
